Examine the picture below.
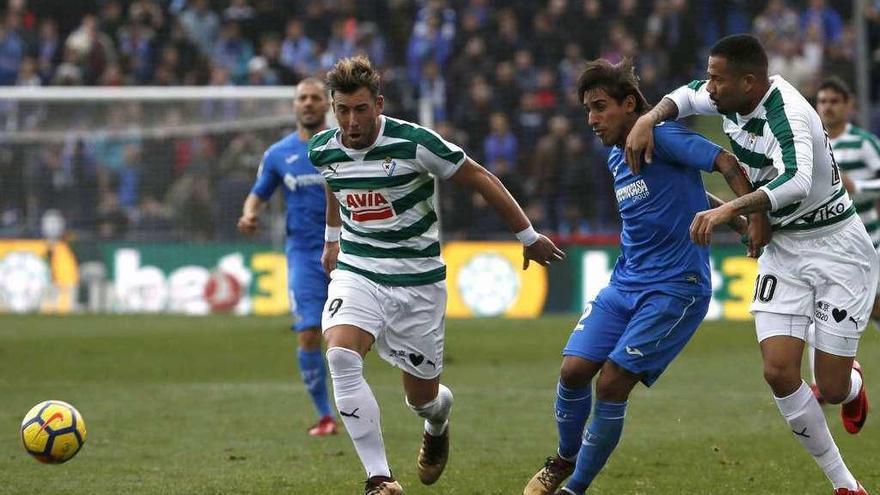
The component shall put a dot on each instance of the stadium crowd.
(495, 76)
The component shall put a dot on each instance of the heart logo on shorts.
(416, 359)
(838, 314)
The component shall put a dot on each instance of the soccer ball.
(53, 431)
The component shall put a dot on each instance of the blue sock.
(599, 441)
(314, 376)
(572, 409)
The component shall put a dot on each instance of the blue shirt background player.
(286, 164)
(660, 287)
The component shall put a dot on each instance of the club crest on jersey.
(389, 165)
(368, 206)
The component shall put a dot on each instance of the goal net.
(126, 199)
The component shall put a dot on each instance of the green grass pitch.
(215, 406)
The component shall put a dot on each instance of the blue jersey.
(657, 208)
(287, 162)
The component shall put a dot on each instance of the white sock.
(855, 384)
(358, 409)
(804, 416)
(435, 412)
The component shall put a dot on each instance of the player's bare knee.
(783, 378)
(576, 372)
(833, 394)
(834, 389)
(615, 383)
(309, 339)
(349, 337)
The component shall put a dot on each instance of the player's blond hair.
(352, 73)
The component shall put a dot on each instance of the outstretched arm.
(535, 246)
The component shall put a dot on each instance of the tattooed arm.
(738, 223)
(641, 137)
(706, 221)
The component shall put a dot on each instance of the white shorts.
(828, 275)
(407, 322)
(801, 327)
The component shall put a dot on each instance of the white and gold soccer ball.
(53, 431)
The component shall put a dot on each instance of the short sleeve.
(677, 144)
(267, 178)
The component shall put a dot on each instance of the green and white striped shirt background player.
(390, 232)
(857, 152)
(784, 151)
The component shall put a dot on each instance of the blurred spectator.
(551, 158)
(90, 49)
(112, 19)
(529, 121)
(500, 146)
(54, 174)
(498, 76)
(840, 57)
(432, 93)
(505, 87)
(776, 22)
(270, 50)
(260, 74)
(48, 52)
(340, 44)
(11, 55)
(431, 41)
(191, 201)
(298, 52)
(592, 29)
(546, 94)
(233, 52)
(571, 66)
(202, 25)
(370, 42)
(136, 45)
(472, 113)
(243, 14)
(825, 18)
(112, 222)
(792, 64)
(27, 73)
(129, 177)
(152, 221)
(147, 13)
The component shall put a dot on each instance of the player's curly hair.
(618, 80)
(352, 73)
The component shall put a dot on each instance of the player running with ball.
(387, 281)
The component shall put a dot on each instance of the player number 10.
(765, 286)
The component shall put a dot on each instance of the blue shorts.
(640, 331)
(307, 284)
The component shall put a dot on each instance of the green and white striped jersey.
(390, 232)
(784, 150)
(857, 152)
